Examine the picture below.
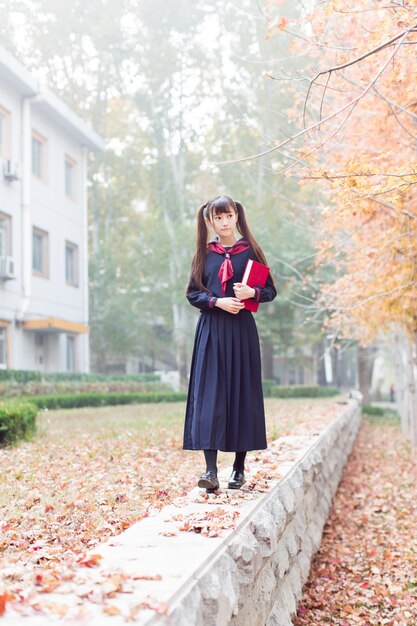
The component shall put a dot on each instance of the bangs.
(222, 204)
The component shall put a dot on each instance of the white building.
(43, 226)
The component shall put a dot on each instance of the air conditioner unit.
(7, 270)
(11, 171)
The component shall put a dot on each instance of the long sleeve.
(267, 293)
(203, 300)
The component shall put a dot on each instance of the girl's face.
(224, 224)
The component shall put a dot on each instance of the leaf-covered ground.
(91, 473)
(366, 569)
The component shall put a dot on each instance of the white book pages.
(247, 272)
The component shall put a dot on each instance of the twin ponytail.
(199, 260)
(221, 204)
(245, 231)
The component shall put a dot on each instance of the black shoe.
(236, 480)
(208, 481)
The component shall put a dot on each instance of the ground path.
(366, 569)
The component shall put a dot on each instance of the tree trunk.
(366, 360)
(321, 372)
(267, 359)
(412, 390)
(401, 391)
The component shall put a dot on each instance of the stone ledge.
(251, 574)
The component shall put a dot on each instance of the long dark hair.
(220, 204)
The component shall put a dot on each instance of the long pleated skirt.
(225, 408)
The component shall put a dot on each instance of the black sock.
(239, 462)
(211, 460)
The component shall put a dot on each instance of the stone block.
(264, 528)
(287, 497)
(280, 515)
(308, 550)
(247, 553)
(187, 611)
(295, 579)
(243, 546)
(288, 601)
(259, 602)
(297, 485)
(316, 531)
(300, 528)
(281, 560)
(291, 542)
(310, 504)
(279, 618)
(304, 561)
(219, 589)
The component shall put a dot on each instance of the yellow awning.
(55, 324)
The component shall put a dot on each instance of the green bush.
(17, 421)
(303, 391)
(24, 376)
(75, 400)
(13, 389)
(20, 376)
(372, 410)
(267, 386)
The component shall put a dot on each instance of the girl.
(225, 409)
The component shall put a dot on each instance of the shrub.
(20, 376)
(13, 389)
(372, 410)
(24, 376)
(303, 391)
(75, 400)
(17, 421)
(267, 385)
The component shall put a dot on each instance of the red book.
(255, 275)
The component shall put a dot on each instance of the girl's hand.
(242, 292)
(231, 305)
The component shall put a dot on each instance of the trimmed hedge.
(25, 376)
(17, 421)
(13, 389)
(76, 400)
(267, 386)
(373, 410)
(303, 391)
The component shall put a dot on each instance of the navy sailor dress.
(225, 408)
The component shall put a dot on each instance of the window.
(71, 263)
(39, 155)
(4, 133)
(3, 346)
(5, 235)
(69, 177)
(40, 256)
(70, 353)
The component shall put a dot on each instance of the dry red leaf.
(111, 609)
(90, 560)
(47, 581)
(373, 561)
(95, 481)
(4, 599)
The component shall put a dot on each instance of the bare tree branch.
(337, 68)
(351, 103)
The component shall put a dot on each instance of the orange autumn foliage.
(365, 153)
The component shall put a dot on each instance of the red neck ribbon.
(226, 268)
